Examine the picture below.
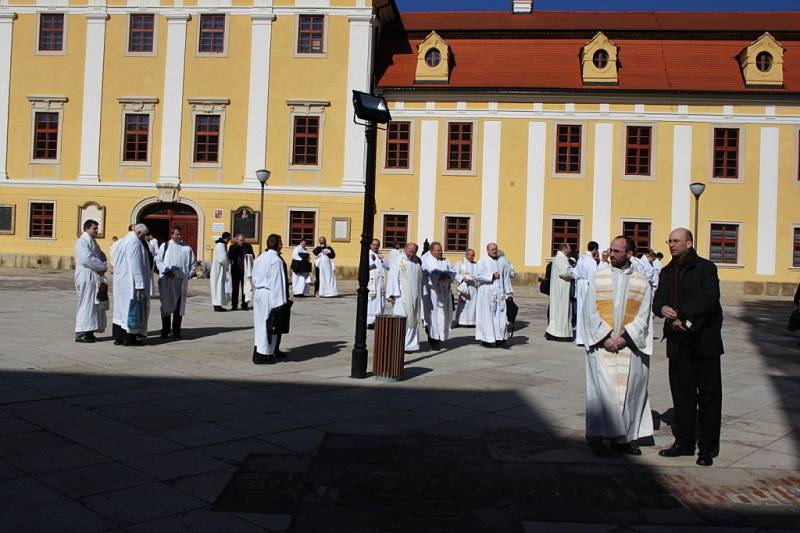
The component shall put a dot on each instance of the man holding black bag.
(271, 304)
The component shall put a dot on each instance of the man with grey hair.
(493, 278)
(404, 292)
(90, 266)
(559, 327)
(131, 282)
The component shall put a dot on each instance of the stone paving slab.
(118, 439)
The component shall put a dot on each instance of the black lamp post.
(374, 111)
(262, 176)
(697, 189)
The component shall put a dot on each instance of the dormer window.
(433, 57)
(764, 61)
(600, 59)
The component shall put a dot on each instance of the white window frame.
(55, 220)
(740, 159)
(63, 50)
(409, 217)
(155, 36)
(46, 104)
(554, 149)
(739, 242)
(624, 151)
(208, 106)
(475, 159)
(470, 235)
(411, 149)
(550, 219)
(224, 53)
(623, 220)
(792, 266)
(306, 209)
(296, 36)
(138, 105)
(307, 108)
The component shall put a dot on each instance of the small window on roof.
(764, 61)
(600, 59)
(433, 57)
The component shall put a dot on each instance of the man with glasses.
(616, 328)
(688, 300)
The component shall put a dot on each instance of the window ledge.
(729, 265)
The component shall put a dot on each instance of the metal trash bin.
(389, 350)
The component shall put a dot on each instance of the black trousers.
(316, 280)
(120, 334)
(696, 386)
(237, 284)
(175, 325)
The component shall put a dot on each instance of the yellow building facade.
(161, 112)
(530, 139)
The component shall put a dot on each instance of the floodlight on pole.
(373, 110)
(697, 189)
(262, 176)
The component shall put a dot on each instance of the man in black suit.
(236, 254)
(688, 299)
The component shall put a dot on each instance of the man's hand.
(668, 312)
(619, 342)
(509, 296)
(496, 275)
(609, 345)
(391, 299)
(677, 325)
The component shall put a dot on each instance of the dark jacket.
(318, 250)
(236, 255)
(697, 301)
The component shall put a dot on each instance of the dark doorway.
(161, 217)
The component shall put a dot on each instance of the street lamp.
(697, 189)
(262, 176)
(374, 111)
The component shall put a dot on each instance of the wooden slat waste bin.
(389, 350)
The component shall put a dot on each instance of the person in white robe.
(437, 300)
(220, 277)
(270, 279)
(559, 326)
(582, 272)
(90, 267)
(467, 289)
(322, 249)
(326, 270)
(493, 278)
(511, 272)
(132, 276)
(376, 297)
(603, 263)
(301, 270)
(404, 292)
(616, 318)
(248, 289)
(396, 252)
(152, 247)
(175, 261)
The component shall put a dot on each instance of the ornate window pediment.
(762, 62)
(599, 61)
(433, 60)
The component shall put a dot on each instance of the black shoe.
(220, 309)
(244, 307)
(84, 338)
(177, 334)
(676, 450)
(234, 308)
(597, 447)
(628, 448)
(371, 326)
(118, 342)
(487, 344)
(705, 458)
(502, 344)
(134, 342)
(164, 333)
(279, 354)
(90, 335)
(261, 359)
(435, 344)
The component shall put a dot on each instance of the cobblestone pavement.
(189, 435)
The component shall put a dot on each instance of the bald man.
(404, 292)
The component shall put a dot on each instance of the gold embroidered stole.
(618, 364)
(408, 305)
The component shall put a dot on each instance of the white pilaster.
(534, 201)
(601, 203)
(172, 114)
(359, 59)
(490, 182)
(260, 42)
(429, 141)
(92, 97)
(681, 175)
(6, 32)
(768, 202)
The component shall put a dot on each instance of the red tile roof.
(695, 62)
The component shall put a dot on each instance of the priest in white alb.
(90, 266)
(404, 292)
(467, 289)
(616, 319)
(175, 261)
(376, 297)
(559, 327)
(582, 272)
(220, 277)
(270, 278)
(437, 300)
(301, 270)
(326, 272)
(494, 288)
(132, 275)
